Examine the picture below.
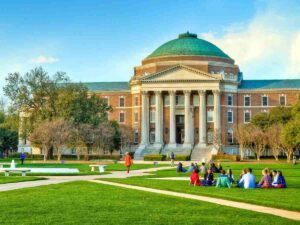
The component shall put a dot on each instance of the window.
(136, 117)
(179, 99)
(152, 116)
(282, 100)
(122, 101)
(196, 100)
(229, 116)
(166, 100)
(264, 100)
(136, 100)
(136, 137)
(230, 136)
(152, 100)
(210, 100)
(229, 100)
(247, 101)
(105, 100)
(247, 116)
(210, 116)
(122, 117)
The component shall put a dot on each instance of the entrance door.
(179, 129)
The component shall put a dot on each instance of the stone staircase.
(201, 153)
(146, 150)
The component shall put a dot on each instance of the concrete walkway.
(261, 209)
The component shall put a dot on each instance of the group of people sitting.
(246, 179)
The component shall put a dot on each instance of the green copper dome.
(188, 44)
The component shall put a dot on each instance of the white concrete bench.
(5, 164)
(16, 170)
(101, 168)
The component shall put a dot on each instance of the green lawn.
(90, 203)
(280, 198)
(15, 179)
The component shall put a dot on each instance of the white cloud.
(269, 43)
(44, 60)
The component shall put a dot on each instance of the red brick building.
(186, 94)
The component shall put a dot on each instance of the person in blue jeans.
(22, 157)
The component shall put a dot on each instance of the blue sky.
(104, 40)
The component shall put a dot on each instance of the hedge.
(27, 156)
(154, 157)
(180, 157)
(223, 157)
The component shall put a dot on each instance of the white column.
(202, 118)
(145, 118)
(217, 111)
(158, 118)
(187, 108)
(172, 142)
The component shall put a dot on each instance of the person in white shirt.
(248, 179)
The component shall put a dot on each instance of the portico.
(177, 105)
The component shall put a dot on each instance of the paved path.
(63, 179)
(262, 209)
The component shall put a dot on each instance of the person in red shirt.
(128, 161)
(194, 178)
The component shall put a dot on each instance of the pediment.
(179, 73)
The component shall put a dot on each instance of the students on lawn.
(266, 180)
(22, 157)
(247, 180)
(230, 176)
(194, 178)
(275, 177)
(203, 170)
(128, 161)
(223, 180)
(180, 168)
(219, 167)
(280, 181)
(172, 157)
(213, 168)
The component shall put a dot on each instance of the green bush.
(226, 158)
(155, 157)
(181, 157)
(16, 155)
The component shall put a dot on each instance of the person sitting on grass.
(194, 178)
(180, 168)
(223, 180)
(219, 167)
(230, 176)
(266, 180)
(209, 181)
(203, 170)
(241, 185)
(275, 177)
(192, 166)
(196, 167)
(213, 168)
(247, 180)
(280, 183)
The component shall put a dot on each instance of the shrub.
(181, 157)
(155, 157)
(227, 158)
(16, 155)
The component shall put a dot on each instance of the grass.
(104, 204)
(15, 179)
(279, 198)
(83, 168)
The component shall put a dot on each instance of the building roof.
(107, 86)
(270, 84)
(189, 45)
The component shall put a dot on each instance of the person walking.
(22, 157)
(128, 161)
(172, 157)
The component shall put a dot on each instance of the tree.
(273, 135)
(41, 138)
(261, 120)
(126, 136)
(241, 135)
(259, 140)
(61, 135)
(290, 138)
